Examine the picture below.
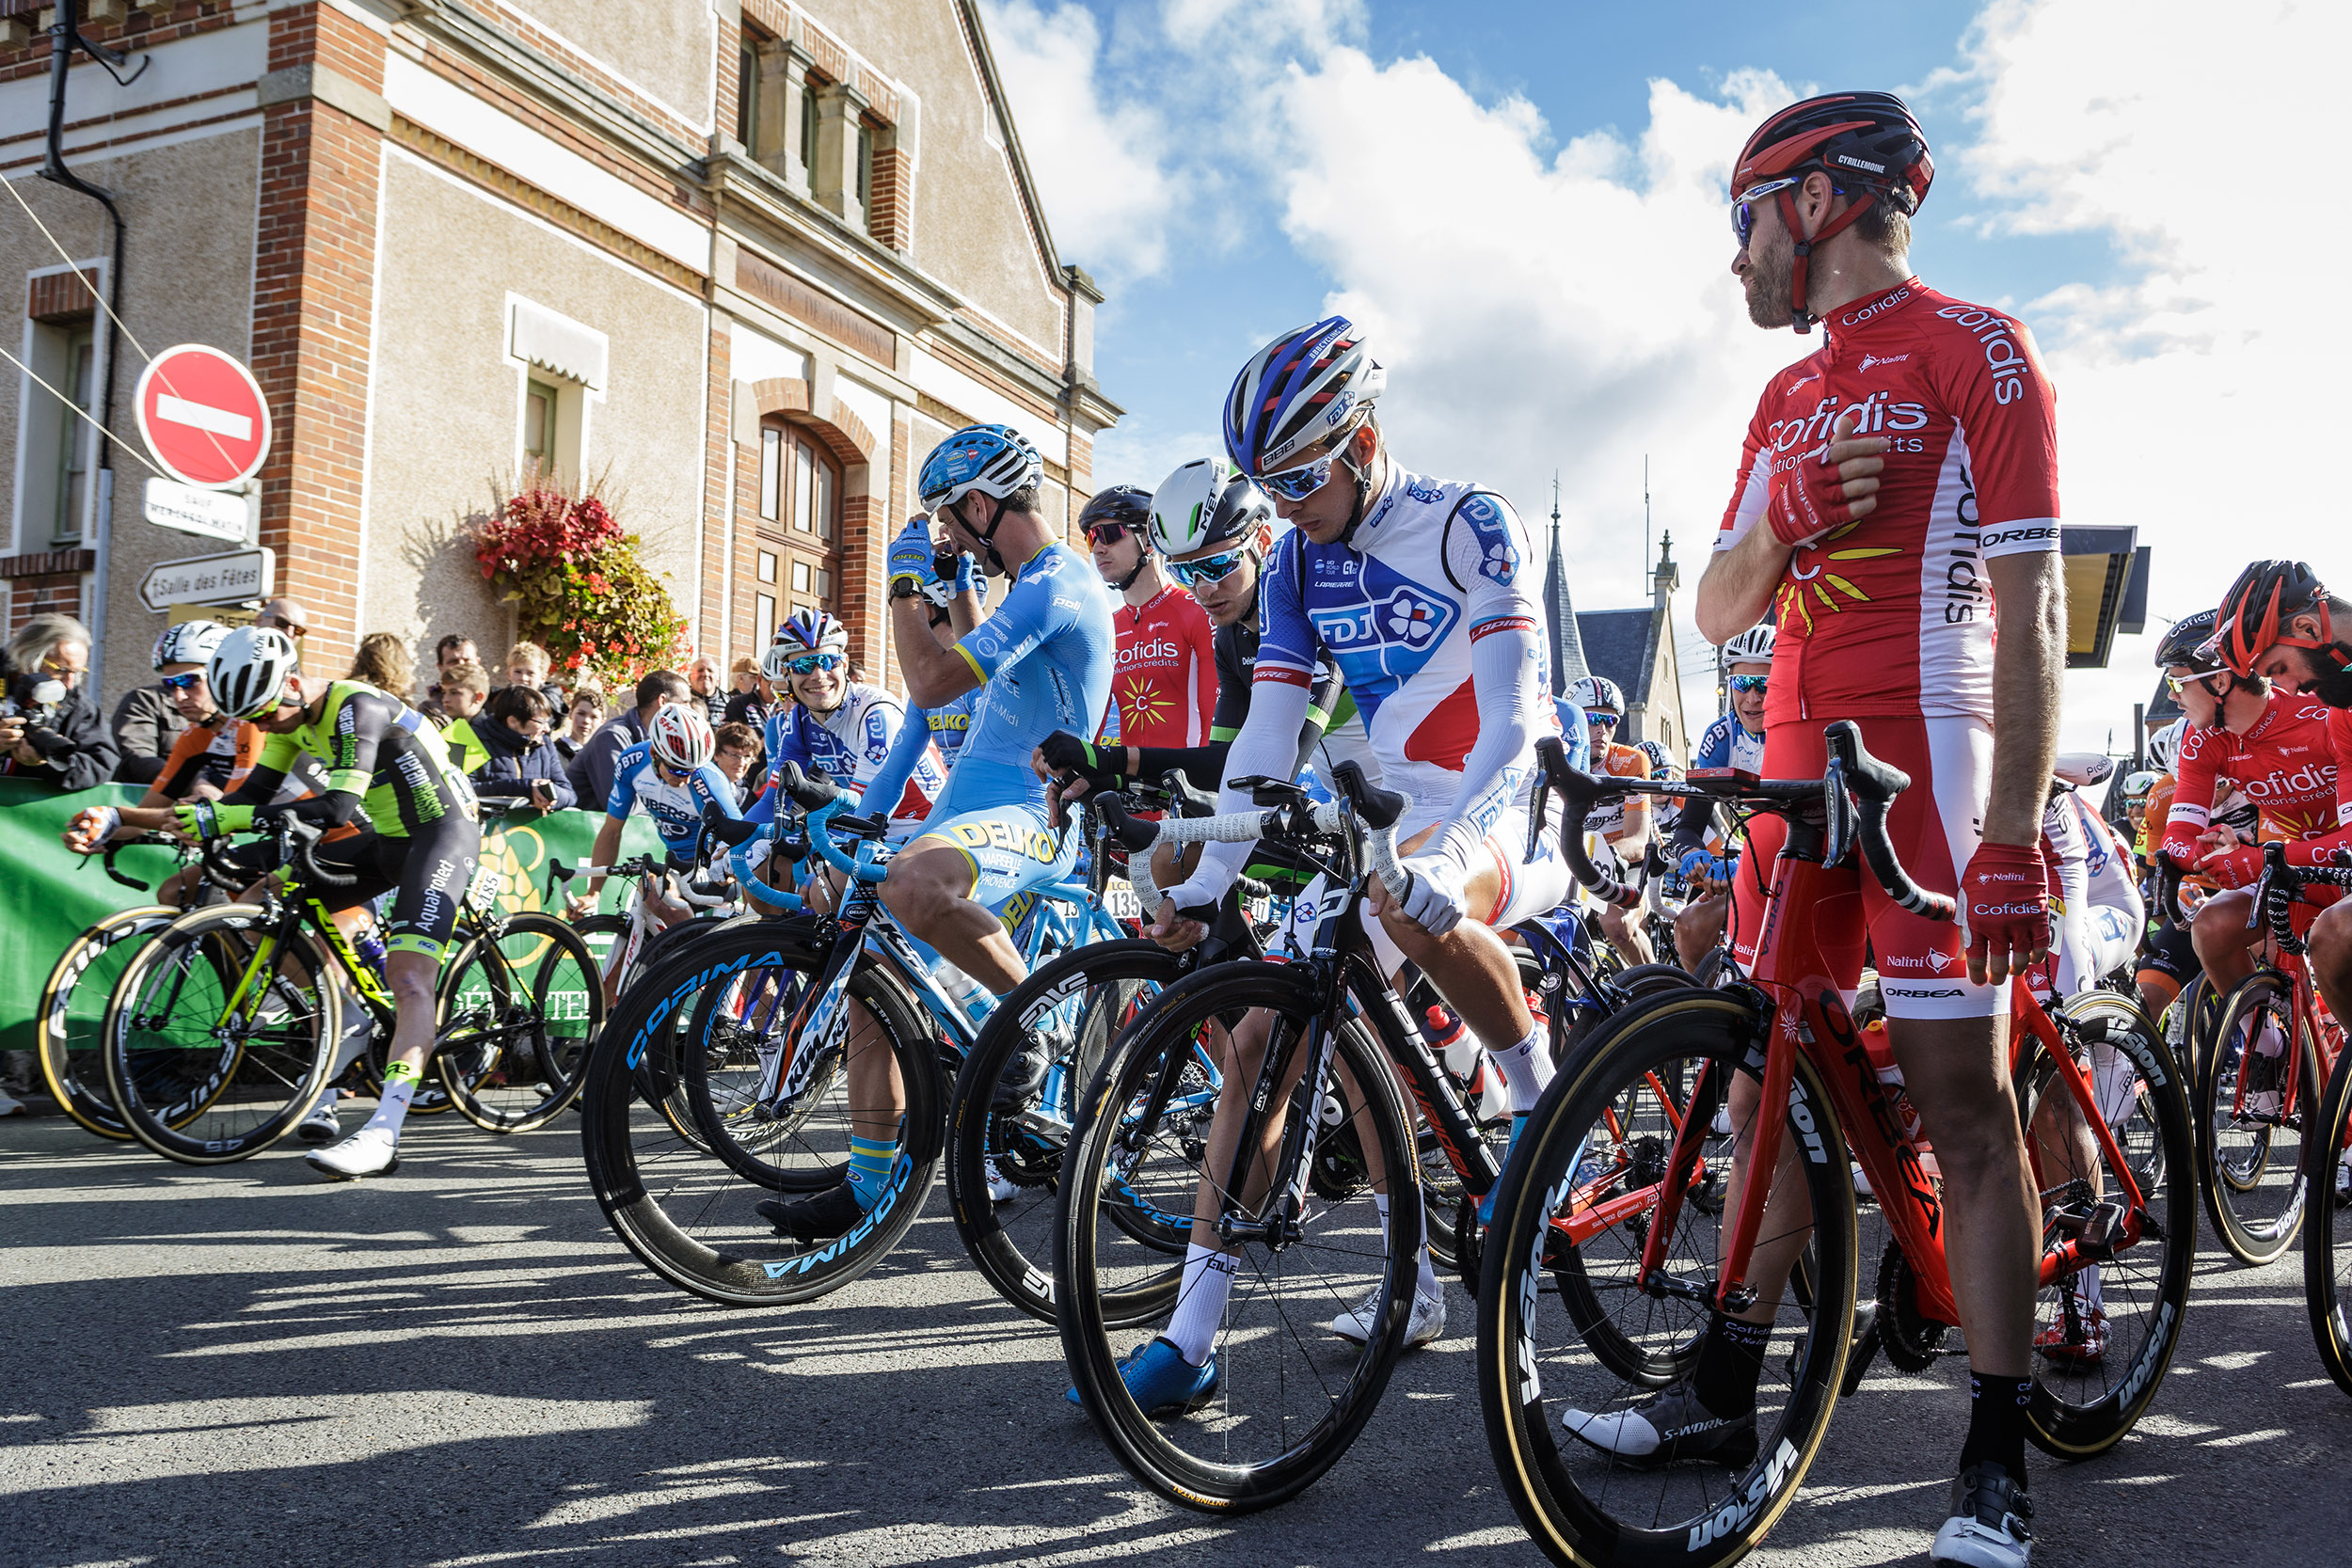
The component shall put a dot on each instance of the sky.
(1523, 204)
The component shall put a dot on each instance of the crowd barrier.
(51, 895)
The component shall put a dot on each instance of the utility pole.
(1646, 512)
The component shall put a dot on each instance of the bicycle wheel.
(2328, 1234)
(2250, 1119)
(2104, 1332)
(1588, 1178)
(215, 1048)
(69, 1028)
(519, 1007)
(1291, 1395)
(689, 1216)
(1072, 1007)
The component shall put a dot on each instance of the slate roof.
(1617, 645)
(1568, 662)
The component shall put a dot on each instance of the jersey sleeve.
(1201, 643)
(1751, 491)
(180, 768)
(2008, 411)
(2192, 793)
(622, 799)
(1288, 648)
(1232, 687)
(889, 783)
(711, 788)
(1030, 614)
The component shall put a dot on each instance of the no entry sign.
(201, 415)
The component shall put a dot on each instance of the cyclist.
(1734, 740)
(2277, 623)
(1422, 592)
(671, 776)
(1167, 682)
(944, 728)
(384, 758)
(1856, 469)
(1622, 826)
(1043, 659)
(836, 727)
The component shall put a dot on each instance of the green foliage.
(579, 586)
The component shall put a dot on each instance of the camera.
(37, 706)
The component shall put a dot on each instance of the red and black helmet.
(2260, 607)
(1869, 143)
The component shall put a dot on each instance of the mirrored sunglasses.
(1106, 533)
(1743, 209)
(1749, 683)
(807, 662)
(1296, 484)
(186, 681)
(1606, 720)
(1215, 568)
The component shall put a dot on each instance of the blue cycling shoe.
(1486, 1204)
(1162, 1382)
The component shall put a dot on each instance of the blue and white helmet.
(994, 459)
(1297, 391)
(189, 642)
(803, 631)
(1752, 646)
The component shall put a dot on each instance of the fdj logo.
(996, 833)
(1499, 554)
(1408, 617)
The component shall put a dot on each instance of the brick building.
(742, 261)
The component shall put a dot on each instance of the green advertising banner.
(51, 895)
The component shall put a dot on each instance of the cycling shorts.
(428, 872)
(1922, 964)
(2168, 952)
(1012, 849)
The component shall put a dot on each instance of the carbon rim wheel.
(518, 1009)
(2327, 1231)
(69, 1026)
(2250, 1119)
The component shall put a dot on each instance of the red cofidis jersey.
(1165, 683)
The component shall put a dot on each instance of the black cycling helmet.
(2257, 610)
(1869, 143)
(1119, 503)
(2183, 642)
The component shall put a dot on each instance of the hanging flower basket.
(578, 587)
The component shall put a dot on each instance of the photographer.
(47, 729)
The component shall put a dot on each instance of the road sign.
(202, 417)
(211, 579)
(209, 513)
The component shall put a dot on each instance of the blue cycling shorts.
(1012, 849)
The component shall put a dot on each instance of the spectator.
(752, 698)
(592, 769)
(580, 719)
(147, 724)
(450, 650)
(702, 677)
(465, 688)
(741, 758)
(286, 616)
(529, 664)
(49, 732)
(384, 663)
(522, 764)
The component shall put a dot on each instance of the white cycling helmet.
(1752, 646)
(2164, 746)
(1206, 501)
(249, 669)
(679, 737)
(1597, 691)
(189, 642)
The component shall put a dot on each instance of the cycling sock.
(1201, 1302)
(1426, 1282)
(1731, 1359)
(870, 1170)
(1996, 1422)
(391, 1107)
(1526, 1070)
(2087, 1282)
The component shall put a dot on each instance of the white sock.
(400, 1087)
(2088, 1281)
(1526, 1070)
(1427, 1281)
(1201, 1302)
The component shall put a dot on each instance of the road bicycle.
(2327, 1154)
(1620, 1176)
(773, 1012)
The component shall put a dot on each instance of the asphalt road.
(459, 1365)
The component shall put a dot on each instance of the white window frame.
(39, 424)
(575, 359)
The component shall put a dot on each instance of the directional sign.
(211, 579)
(208, 514)
(202, 417)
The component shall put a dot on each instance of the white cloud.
(1098, 164)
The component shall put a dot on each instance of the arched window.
(799, 526)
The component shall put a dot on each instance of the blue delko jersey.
(944, 728)
(676, 810)
(1045, 658)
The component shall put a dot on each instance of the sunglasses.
(281, 623)
(185, 682)
(2173, 683)
(1602, 720)
(1215, 568)
(1296, 484)
(1749, 683)
(1744, 208)
(1106, 533)
(808, 663)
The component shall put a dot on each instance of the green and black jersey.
(379, 751)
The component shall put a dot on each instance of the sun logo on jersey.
(1143, 703)
(1814, 582)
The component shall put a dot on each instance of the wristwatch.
(904, 588)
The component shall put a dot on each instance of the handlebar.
(115, 846)
(298, 844)
(1377, 809)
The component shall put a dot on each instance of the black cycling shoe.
(1023, 1076)
(831, 1213)
(1988, 1526)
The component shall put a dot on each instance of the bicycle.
(1655, 1193)
(2328, 1135)
(772, 1009)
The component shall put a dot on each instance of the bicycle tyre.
(525, 1043)
(1150, 1450)
(2231, 1162)
(994, 1234)
(72, 1051)
(640, 1168)
(149, 1052)
(2087, 1411)
(1568, 1522)
(2327, 1235)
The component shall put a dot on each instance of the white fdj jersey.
(850, 744)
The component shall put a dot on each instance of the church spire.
(1567, 648)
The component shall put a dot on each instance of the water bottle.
(368, 944)
(1890, 1076)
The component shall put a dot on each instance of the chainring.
(1911, 1342)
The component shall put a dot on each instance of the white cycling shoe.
(320, 1126)
(1426, 1327)
(367, 1152)
(1000, 1188)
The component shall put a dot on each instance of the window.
(763, 620)
(865, 171)
(541, 401)
(797, 551)
(766, 566)
(808, 129)
(74, 445)
(747, 95)
(770, 472)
